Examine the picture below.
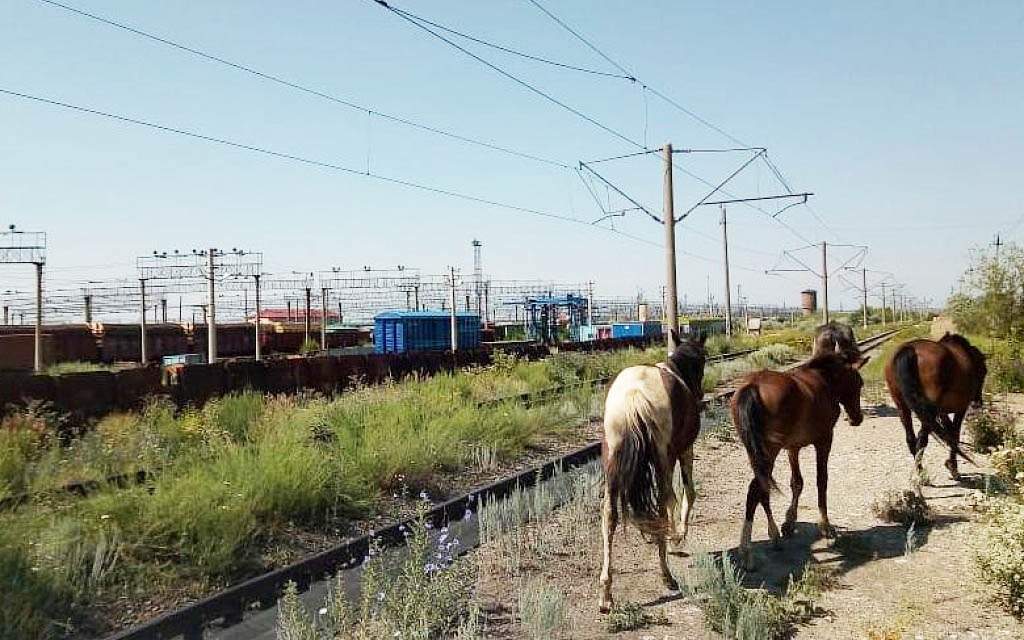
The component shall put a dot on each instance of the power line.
(583, 40)
(305, 89)
(316, 163)
(515, 52)
(414, 20)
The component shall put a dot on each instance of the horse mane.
(688, 359)
(828, 363)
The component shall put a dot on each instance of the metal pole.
(38, 339)
(670, 253)
(323, 318)
(590, 304)
(143, 355)
(88, 309)
(824, 282)
(864, 285)
(7, 314)
(211, 323)
(258, 319)
(454, 324)
(307, 321)
(163, 310)
(728, 294)
(883, 304)
(416, 293)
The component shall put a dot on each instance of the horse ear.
(860, 363)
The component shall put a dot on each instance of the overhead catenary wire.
(511, 51)
(412, 19)
(277, 79)
(313, 162)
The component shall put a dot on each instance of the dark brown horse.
(651, 420)
(775, 411)
(836, 336)
(934, 379)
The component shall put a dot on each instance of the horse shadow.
(775, 567)
(880, 410)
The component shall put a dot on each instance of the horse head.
(689, 358)
(844, 379)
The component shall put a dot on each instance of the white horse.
(651, 420)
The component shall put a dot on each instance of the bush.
(629, 616)
(905, 507)
(426, 593)
(992, 428)
(33, 605)
(542, 609)
(999, 553)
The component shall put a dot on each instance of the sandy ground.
(880, 592)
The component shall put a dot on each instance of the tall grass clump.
(999, 553)
(76, 366)
(419, 596)
(34, 605)
(739, 613)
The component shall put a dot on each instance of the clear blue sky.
(903, 118)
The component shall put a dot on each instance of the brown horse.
(836, 336)
(791, 410)
(651, 420)
(934, 379)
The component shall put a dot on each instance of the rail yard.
(542, 321)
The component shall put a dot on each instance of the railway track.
(246, 610)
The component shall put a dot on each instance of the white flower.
(322, 611)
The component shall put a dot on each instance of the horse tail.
(749, 417)
(908, 379)
(632, 469)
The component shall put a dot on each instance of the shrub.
(542, 609)
(422, 595)
(731, 609)
(905, 507)
(999, 553)
(629, 616)
(33, 605)
(739, 613)
(991, 428)
(1006, 374)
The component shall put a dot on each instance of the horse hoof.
(827, 531)
(670, 583)
(606, 606)
(788, 529)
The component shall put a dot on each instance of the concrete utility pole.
(257, 316)
(38, 338)
(307, 325)
(163, 310)
(454, 323)
(864, 286)
(7, 315)
(824, 282)
(211, 322)
(323, 318)
(728, 294)
(672, 296)
(416, 297)
(88, 309)
(143, 355)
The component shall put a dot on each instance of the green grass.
(62, 368)
(237, 476)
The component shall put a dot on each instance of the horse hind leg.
(954, 434)
(666, 573)
(796, 485)
(608, 522)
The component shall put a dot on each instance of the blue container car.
(407, 331)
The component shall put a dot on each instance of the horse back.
(946, 373)
(796, 405)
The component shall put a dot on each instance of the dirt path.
(880, 593)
